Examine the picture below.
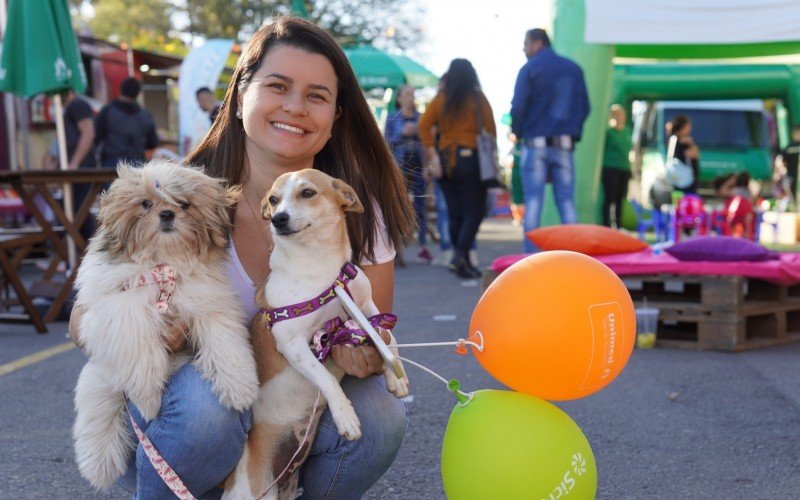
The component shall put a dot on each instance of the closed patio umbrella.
(40, 55)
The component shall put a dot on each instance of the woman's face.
(289, 107)
(405, 97)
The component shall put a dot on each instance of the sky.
(489, 34)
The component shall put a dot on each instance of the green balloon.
(508, 445)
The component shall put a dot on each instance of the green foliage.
(154, 24)
(145, 24)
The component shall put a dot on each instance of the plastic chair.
(653, 219)
(690, 214)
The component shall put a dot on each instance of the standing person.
(293, 102)
(403, 137)
(791, 156)
(549, 107)
(686, 150)
(79, 133)
(454, 113)
(616, 165)
(208, 103)
(209, 109)
(125, 131)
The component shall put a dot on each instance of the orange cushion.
(587, 239)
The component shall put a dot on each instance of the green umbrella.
(40, 53)
(375, 68)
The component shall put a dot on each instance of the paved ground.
(732, 432)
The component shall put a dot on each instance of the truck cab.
(732, 136)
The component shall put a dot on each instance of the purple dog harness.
(336, 331)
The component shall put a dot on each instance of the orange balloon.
(557, 325)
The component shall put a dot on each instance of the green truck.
(732, 135)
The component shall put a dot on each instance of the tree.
(386, 24)
(142, 23)
(383, 23)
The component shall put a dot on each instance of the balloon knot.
(454, 385)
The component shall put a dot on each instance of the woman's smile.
(292, 129)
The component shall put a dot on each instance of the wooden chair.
(13, 249)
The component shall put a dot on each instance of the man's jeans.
(538, 166)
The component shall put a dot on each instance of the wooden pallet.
(730, 313)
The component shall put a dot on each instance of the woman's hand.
(74, 325)
(433, 165)
(360, 361)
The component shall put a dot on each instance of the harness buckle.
(350, 270)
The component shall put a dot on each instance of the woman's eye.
(185, 205)
(147, 204)
(277, 86)
(307, 193)
(273, 200)
(317, 97)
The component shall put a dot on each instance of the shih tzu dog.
(155, 269)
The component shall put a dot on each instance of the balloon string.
(446, 382)
(437, 344)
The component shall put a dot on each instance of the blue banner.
(200, 68)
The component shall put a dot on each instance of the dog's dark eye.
(185, 205)
(272, 200)
(147, 204)
(307, 193)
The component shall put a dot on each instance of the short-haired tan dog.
(312, 252)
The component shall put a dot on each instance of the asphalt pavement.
(675, 423)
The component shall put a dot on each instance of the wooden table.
(30, 183)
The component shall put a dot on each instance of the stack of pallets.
(719, 312)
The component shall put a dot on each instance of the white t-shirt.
(246, 289)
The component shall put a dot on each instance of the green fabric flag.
(375, 68)
(40, 53)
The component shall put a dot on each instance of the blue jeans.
(538, 166)
(442, 219)
(203, 441)
(417, 184)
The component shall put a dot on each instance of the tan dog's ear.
(266, 208)
(348, 198)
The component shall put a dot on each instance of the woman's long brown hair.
(356, 153)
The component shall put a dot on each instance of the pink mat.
(783, 271)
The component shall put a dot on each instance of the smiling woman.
(293, 103)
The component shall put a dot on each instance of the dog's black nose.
(166, 215)
(280, 220)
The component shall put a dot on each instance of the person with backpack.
(123, 130)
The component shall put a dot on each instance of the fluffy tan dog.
(307, 209)
(156, 266)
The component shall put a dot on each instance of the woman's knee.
(384, 418)
(190, 400)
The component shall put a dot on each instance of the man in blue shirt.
(549, 107)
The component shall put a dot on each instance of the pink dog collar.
(162, 275)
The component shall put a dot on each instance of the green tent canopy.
(375, 68)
